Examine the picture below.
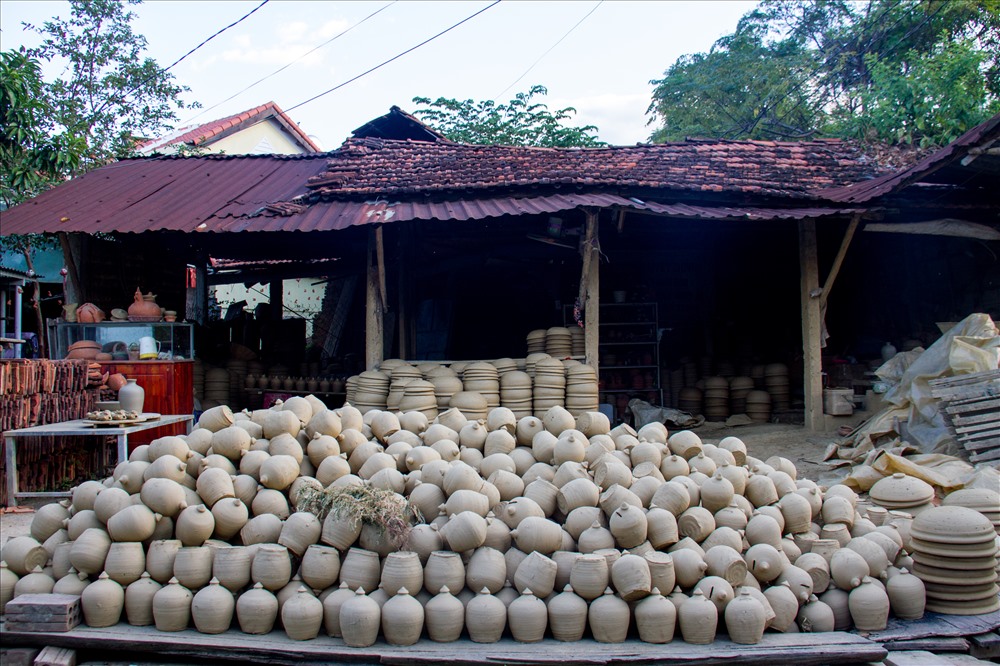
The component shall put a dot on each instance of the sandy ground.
(763, 440)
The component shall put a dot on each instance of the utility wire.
(281, 69)
(395, 57)
(206, 41)
(549, 50)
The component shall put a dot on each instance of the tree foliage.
(913, 71)
(519, 122)
(109, 93)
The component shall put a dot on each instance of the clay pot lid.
(953, 524)
(85, 344)
(956, 563)
(901, 490)
(963, 608)
(959, 579)
(953, 550)
(974, 498)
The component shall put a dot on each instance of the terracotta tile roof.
(216, 129)
(379, 167)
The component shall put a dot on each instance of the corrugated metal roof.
(164, 194)
(955, 151)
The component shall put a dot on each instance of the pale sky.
(602, 68)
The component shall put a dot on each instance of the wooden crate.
(971, 406)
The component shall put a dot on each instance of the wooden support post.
(374, 305)
(74, 291)
(591, 284)
(839, 260)
(812, 360)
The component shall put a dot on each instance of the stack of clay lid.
(531, 360)
(579, 336)
(549, 387)
(901, 492)
(419, 397)
(739, 387)
(559, 342)
(954, 551)
(428, 366)
(388, 365)
(759, 406)
(403, 370)
(372, 391)
(397, 389)
(471, 404)
(515, 393)
(690, 400)
(716, 398)
(446, 384)
(350, 389)
(581, 389)
(776, 383)
(217, 384)
(536, 341)
(504, 365)
(983, 500)
(484, 379)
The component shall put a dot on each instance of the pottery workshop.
(416, 400)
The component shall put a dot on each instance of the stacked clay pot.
(902, 493)
(560, 525)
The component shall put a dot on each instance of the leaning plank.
(936, 624)
(992, 415)
(992, 454)
(931, 644)
(53, 656)
(277, 648)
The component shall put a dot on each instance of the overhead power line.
(395, 57)
(207, 40)
(550, 49)
(292, 62)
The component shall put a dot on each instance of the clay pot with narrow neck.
(102, 602)
(444, 617)
(139, 600)
(256, 610)
(212, 608)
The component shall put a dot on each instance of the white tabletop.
(83, 427)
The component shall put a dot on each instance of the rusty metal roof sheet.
(956, 151)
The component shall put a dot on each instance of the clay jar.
(302, 616)
(527, 617)
(212, 608)
(745, 619)
(567, 615)
(256, 610)
(869, 605)
(485, 617)
(698, 619)
(148, 310)
(907, 595)
(102, 602)
(172, 607)
(402, 619)
(360, 617)
(139, 600)
(126, 561)
(444, 617)
(655, 618)
(609, 618)
(160, 559)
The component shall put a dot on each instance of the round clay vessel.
(256, 610)
(656, 618)
(869, 605)
(271, 567)
(907, 595)
(698, 618)
(567, 615)
(360, 619)
(402, 619)
(102, 602)
(485, 617)
(193, 566)
(139, 600)
(745, 619)
(609, 618)
(126, 561)
(172, 607)
(444, 617)
(527, 617)
(212, 608)
(302, 616)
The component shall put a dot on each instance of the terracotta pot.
(486, 568)
(143, 307)
(567, 615)
(537, 573)
(256, 610)
(36, 582)
(172, 607)
(230, 515)
(444, 569)
(72, 583)
(869, 606)
(630, 577)
(90, 551)
(907, 595)
(839, 602)
(195, 524)
(88, 313)
(271, 567)
(360, 569)
(331, 608)
(785, 605)
(301, 530)
(402, 619)
(139, 600)
(815, 616)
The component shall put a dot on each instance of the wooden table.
(77, 428)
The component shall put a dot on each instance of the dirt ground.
(763, 440)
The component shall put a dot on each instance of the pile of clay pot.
(558, 526)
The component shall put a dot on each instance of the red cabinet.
(169, 387)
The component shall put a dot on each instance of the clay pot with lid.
(699, 619)
(172, 607)
(102, 602)
(256, 610)
(567, 615)
(444, 617)
(212, 608)
(360, 618)
(745, 619)
(402, 619)
(869, 605)
(139, 600)
(302, 616)
(609, 618)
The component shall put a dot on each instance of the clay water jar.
(126, 561)
(231, 567)
(590, 576)
(360, 618)
(839, 602)
(36, 582)
(212, 608)
(160, 559)
(907, 595)
(331, 608)
(655, 618)
(72, 583)
(89, 551)
(527, 617)
(302, 616)
(102, 602)
(444, 569)
(698, 619)
(360, 569)
(745, 619)
(271, 567)
(815, 616)
(630, 577)
(536, 533)
(139, 600)
(869, 606)
(49, 519)
(485, 617)
(320, 566)
(609, 618)
(486, 568)
(340, 531)
(172, 607)
(193, 566)
(818, 569)
(23, 553)
(785, 605)
(567, 615)
(402, 619)
(195, 524)
(256, 610)
(689, 567)
(444, 617)
(848, 568)
(661, 527)
(301, 530)
(537, 573)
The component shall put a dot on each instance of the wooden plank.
(925, 658)
(277, 648)
(979, 446)
(811, 316)
(592, 304)
(985, 646)
(938, 625)
(839, 260)
(374, 307)
(932, 644)
(17, 656)
(992, 425)
(987, 416)
(971, 378)
(983, 403)
(993, 454)
(966, 394)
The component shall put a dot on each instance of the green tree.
(30, 159)
(519, 122)
(919, 71)
(109, 94)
